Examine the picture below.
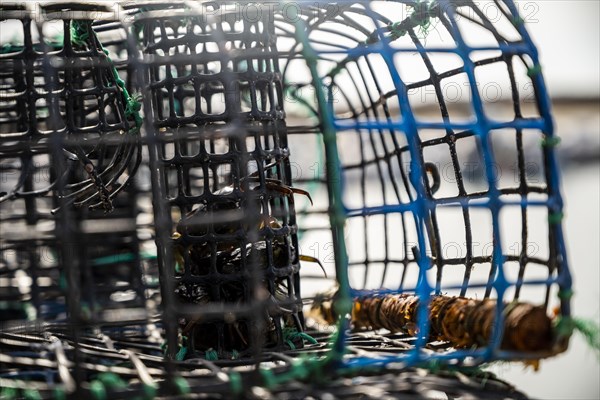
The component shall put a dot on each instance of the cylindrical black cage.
(217, 110)
(64, 114)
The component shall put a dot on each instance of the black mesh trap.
(215, 94)
(66, 125)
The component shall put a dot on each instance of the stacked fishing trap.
(168, 167)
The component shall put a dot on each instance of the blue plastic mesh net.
(429, 195)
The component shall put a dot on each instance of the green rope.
(85, 311)
(235, 381)
(312, 185)
(551, 141)
(535, 70)
(80, 34)
(132, 104)
(8, 393)
(149, 391)
(83, 35)
(98, 390)
(301, 368)
(59, 393)
(306, 366)
(31, 394)
(337, 215)
(211, 354)
(517, 20)
(290, 335)
(112, 380)
(182, 385)
(180, 356)
(565, 294)
(13, 47)
(118, 258)
(290, 344)
(589, 329)
(555, 218)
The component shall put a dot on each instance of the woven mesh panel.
(66, 143)
(438, 148)
(216, 98)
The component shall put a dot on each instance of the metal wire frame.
(381, 118)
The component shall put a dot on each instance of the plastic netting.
(430, 195)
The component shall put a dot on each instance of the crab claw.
(303, 192)
(277, 186)
(313, 260)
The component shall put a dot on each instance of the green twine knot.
(517, 20)
(8, 393)
(532, 71)
(565, 294)
(183, 387)
(132, 109)
(149, 391)
(396, 31)
(211, 354)
(290, 335)
(435, 366)
(112, 380)
(550, 141)
(80, 32)
(59, 393)
(181, 348)
(31, 394)
(235, 380)
(98, 390)
(555, 217)
(180, 356)
(421, 17)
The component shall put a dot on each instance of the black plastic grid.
(132, 366)
(62, 111)
(216, 106)
(376, 163)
